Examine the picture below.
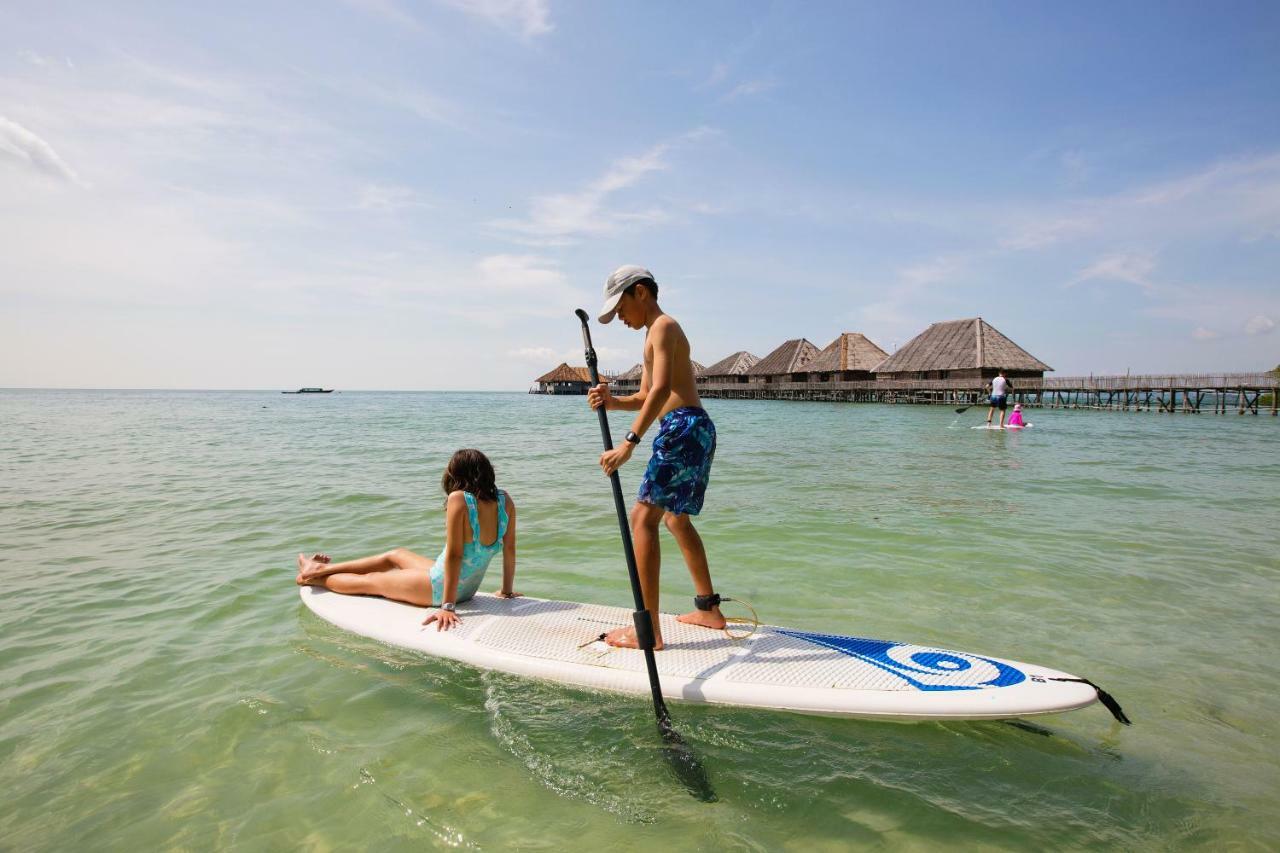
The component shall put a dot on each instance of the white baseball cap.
(617, 282)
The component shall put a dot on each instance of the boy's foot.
(625, 638)
(712, 618)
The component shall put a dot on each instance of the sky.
(416, 194)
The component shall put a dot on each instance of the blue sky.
(415, 195)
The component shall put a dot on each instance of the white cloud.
(526, 18)
(1200, 333)
(751, 87)
(551, 356)
(1259, 324)
(33, 58)
(1045, 233)
(388, 199)
(1129, 267)
(561, 218)
(719, 73)
(21, 145)
(388, 10)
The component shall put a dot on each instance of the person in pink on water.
(1015, 419)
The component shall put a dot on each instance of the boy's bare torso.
(684, 389)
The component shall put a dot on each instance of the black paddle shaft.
(680, 756)
(641, 617)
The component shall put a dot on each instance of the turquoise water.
(162, 686)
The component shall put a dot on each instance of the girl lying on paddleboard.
(476, 512)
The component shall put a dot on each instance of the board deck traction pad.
(774, 668)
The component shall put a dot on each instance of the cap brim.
(610, 308)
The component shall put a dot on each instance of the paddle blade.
(963, 409)
(684, 763)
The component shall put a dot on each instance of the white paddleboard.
(775, 668)
(993, 426)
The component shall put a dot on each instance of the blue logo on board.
(924, 669)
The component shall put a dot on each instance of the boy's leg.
(644, 538)
(695, 557)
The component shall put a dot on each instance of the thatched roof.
(637, 372)
(850, 351)
(565, 373)
(792, 357)
(961, 344)
(731, 365)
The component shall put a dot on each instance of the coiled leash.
(706, 602)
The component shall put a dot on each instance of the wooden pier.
(1218, 393)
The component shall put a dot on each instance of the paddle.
(684, 763)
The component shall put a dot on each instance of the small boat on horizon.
(310, 391)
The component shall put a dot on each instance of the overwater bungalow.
(563, 380)
(788, 363)
(628, 382)
(731, 368)
(958, 350)
(850, 356)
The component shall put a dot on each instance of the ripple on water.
(162, 687)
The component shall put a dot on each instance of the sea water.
(162, 687)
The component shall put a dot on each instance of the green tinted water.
(161, 686)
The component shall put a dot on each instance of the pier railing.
(1187, 392)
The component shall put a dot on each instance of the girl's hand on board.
(444, 619)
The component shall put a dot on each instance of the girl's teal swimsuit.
(680, 467)
(475, 556)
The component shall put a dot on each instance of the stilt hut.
(628, 382)
(730, 369)
(961, 349)
(787, 363)
(565, 380)
(849, 357)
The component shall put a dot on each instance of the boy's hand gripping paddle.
(679, 754)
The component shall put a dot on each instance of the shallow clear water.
(162, 686)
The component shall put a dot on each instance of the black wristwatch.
(448, 605)
(632, 437)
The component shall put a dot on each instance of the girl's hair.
(470, 471)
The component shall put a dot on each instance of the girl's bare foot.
(625, 638)
(308, 567)
(712, 618)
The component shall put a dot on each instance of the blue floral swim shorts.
(680, 467)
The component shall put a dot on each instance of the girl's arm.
(509, 552)
(455, 538)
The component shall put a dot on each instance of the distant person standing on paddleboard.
(675, 480)
(476, 512)
(1000, 388)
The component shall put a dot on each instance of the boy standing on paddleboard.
(675, 481)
